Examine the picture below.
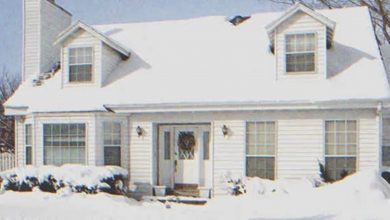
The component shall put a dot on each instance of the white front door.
(186, 164)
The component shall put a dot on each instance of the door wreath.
(186, 145)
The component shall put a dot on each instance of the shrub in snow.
(386, 176)
(76, 178)
(236, 187)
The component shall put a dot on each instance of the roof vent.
(238, 19)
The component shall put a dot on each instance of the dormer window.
(300, 53)
(80, 64)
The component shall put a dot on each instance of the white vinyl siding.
(141, 156)
(301, 23)
(340, 148)
(43, 21)
(260, 149)
(110, 60)
(229, 153)
(300, 146)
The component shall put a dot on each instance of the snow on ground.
(361, 196)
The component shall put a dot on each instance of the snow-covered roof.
(208, 61)
(108, 41)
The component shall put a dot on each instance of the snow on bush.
(76, 178)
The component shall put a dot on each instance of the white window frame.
(112, 145)
(356, 155)
(315, 52)
(28, 143)
(274, 156)
(92, 64)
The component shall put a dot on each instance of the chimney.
(43, 21)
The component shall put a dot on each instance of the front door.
(186, 155)
(180, 154)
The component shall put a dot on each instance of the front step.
(187, 190)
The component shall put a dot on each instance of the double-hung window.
(28, 143)
(80, 64)
(260, 149)
(64, 144)
(112, 143)
(340, 148)
(300, 53)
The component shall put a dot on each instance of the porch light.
(225, 130)
(139, 131)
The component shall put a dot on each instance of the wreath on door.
(186, 141)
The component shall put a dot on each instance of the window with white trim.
(340, 148)
(300, 53)
(386, 143)
(260, 149)
(112, 143)
(28, 143)
(80, 64)
(64, 144)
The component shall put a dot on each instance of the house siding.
(53, 22)
(141, 156)
(31, 42)
(229, 153)
(369, 144)
(42, 22)
(301, 23)
(299, 147)
(110, 60)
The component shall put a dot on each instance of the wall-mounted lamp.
(139, 131)
(225, 130)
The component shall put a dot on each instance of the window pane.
(340, 137)
(206, 145)
(386, 155)
(112, 156)
(263, 167)
(64, 143)
(186, 144)
(300, 52)
(167, 145)
(80, 64)
(261, 138)
(28, 156)
(338, 167)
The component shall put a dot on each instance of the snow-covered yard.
(360, 196)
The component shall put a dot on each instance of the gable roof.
(207, 61)
(299, 7)
(125, 53)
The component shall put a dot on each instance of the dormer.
(88, 56)
(300, 39)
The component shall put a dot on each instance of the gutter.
(247, 106)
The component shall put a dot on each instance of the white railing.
(7, 161)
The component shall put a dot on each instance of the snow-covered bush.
(77, 178)
(236, 187)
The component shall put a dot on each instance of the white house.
(189, 103)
